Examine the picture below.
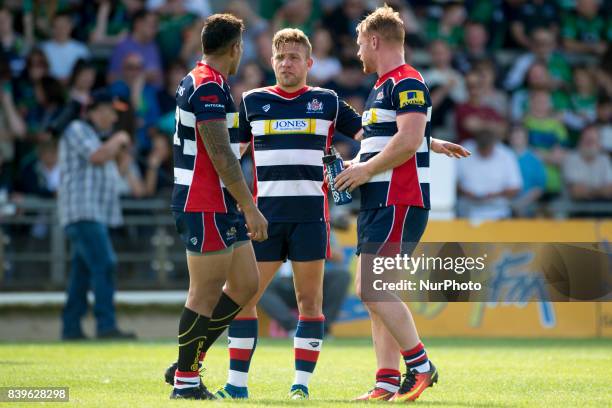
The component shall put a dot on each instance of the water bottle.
(333, 166)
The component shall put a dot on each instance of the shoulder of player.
(256, 91)
(323, 91)
(405, 75)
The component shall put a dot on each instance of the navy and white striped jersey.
(401, 90)
(289, 133)
(202, 95)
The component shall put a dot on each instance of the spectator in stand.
(603, 72)
(113, 21)
(604, 122)
(133, 87)
(491, 96)
(254, 25)
(351, 84)
(131, 183)
(583, 100)
(250, 77)
(342, 22)
(141, 41)
(200, 8)
(588, 171)
(264, 56)
(13, 47)
(538, 79)
(533, 174)
(586, 30)
(474, 116)
(12, 125)
(159, 173)
(474, 49)
(449, 26)
(166, 97)
(488, 180)
(192, 44)
(61, 50)
(37, 68)
(174, 20)
(325, 65)
(300, 14)
(49, 103)
(543, 48)
(445, 83)
(548, 137)
(532, 15)
(82, 81)
(39, 171)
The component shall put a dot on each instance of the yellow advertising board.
(500, 319)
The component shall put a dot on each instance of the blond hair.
(291, 35)
(386, 22)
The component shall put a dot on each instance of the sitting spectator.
(487, 180)
(548, 137)
(588, 172)
(133, 87)
(130, 183)
(533, 174)
(264, 56)
(449, 26)
(253, 26)
(585, 30)
(445, 83)
(166, 96)
(159, 174)
(12, 46)
(61, 50)
(351, 84)
(141, 41)
(174, 20)
(538, 79)
(39, 171)
(474, 49)
(37, 68)
(583, 100)
(12, 125)
(250, 77)
(325, 65)
(543, 48)
(82, 81)
(473, 116)
(604, 121)
(341, 23)
(491, 96)
(113, 21)
(533, 15)
(296, 14)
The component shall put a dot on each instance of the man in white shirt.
(487, 180)
(61, 50)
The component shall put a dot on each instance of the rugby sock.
(307, 345)
(416, 359)
(242, 339)
(193, 328)
(225, 311)
(388, 379)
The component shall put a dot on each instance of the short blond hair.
(291, 35)
(384, 21)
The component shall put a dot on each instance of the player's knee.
(310, 304)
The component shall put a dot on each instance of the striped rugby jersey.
(202, 95)
(289, 133)
(399, 91)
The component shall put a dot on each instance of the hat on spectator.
(104, 96)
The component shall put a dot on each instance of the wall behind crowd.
(525, 85)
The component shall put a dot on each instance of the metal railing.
(148, 252)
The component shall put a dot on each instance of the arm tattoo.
(216, 138)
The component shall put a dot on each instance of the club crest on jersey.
(314, 106)
(380, 95)
(194, 241)
(411, 98)
(266, 107)
(231, 232)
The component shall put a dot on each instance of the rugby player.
(392, 173)
(208, 185)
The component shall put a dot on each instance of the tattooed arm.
(215, 137)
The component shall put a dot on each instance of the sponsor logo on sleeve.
(414, 97)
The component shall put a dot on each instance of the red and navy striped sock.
(307, 345)
(388, 379)
(242, 339)
(416, 359)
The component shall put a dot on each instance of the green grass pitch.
(473, 373)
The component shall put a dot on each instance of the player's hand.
(257, 224)
(449, 149)
(352, 177)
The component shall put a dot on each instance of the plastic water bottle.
(333, 166)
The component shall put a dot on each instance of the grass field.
(473, 373)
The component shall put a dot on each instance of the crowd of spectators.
(526, 84)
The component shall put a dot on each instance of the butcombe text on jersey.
(202, 95)
(400, 91)
(289, 133)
